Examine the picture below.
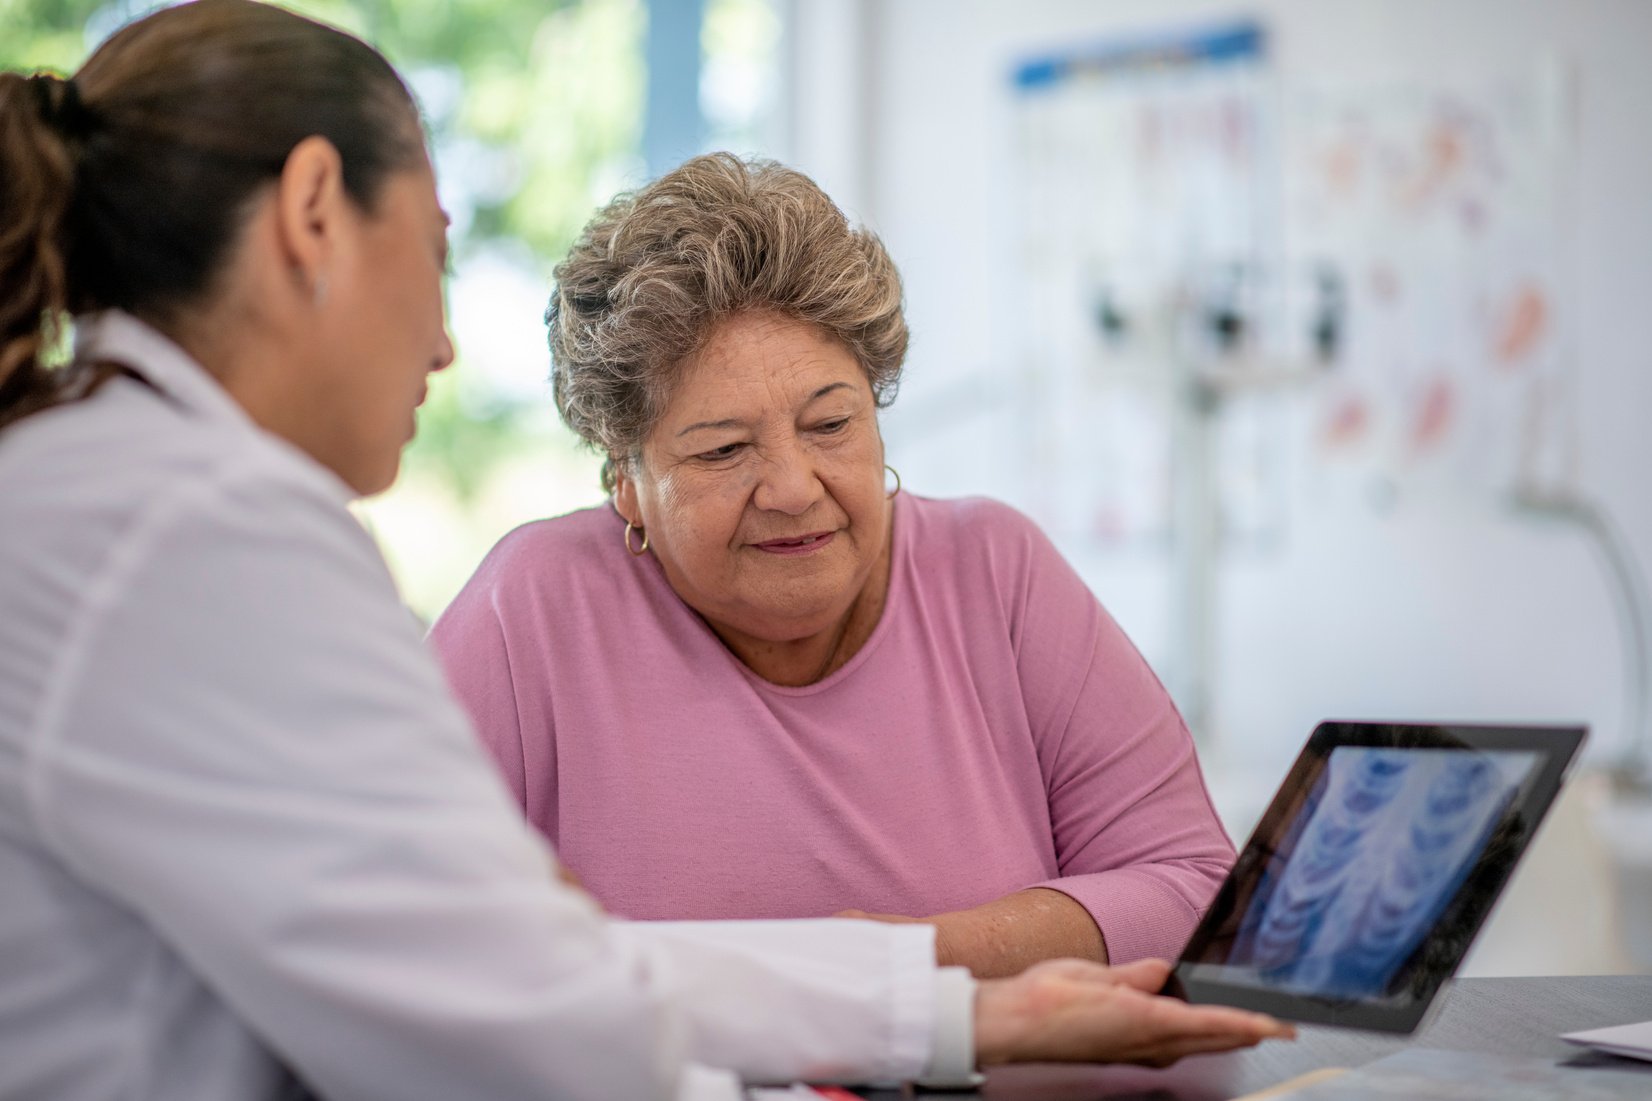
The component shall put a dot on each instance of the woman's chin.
(376, 477)
(787, 622)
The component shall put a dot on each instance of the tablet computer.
(1373, 869)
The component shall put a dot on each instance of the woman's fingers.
(1069, 1010)
(1161, 1030)
(1163, 1055)
(1204, 1045)
(1172, 1029)
(1225, 1038)
(1140, 982)
(1216, 1019)
(1144, 975)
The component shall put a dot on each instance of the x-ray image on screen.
(1379, 847)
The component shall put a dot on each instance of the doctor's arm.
(256, 756)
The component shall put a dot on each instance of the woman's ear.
(311, 204)
(625, 493)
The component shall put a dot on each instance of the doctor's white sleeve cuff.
(700, 1083)
(824, 1000)
(952, 1059)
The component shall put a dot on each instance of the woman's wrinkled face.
(761, 487)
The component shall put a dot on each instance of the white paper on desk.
(1635, 1041)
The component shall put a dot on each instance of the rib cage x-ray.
(1386, 839)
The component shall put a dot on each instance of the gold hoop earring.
(637, 552)
(897, 475)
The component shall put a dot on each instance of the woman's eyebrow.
(730, 422)
(735, 422)
(824, 390)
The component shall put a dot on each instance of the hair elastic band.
(60, 105)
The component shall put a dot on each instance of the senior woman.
(759, 683)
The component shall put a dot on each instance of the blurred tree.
(534, 112)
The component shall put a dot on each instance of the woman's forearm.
(1005, 936)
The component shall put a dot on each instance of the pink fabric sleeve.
(469, 642)
(1136, 837)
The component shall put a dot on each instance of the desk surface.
(1507, 1016)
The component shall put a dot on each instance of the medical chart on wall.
(1439, 208)
(1237, 284)
(1139, 193)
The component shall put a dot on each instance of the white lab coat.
(245, 835)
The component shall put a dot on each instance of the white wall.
(1424, 610)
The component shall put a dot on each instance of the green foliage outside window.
(534, 113)
(534, 110)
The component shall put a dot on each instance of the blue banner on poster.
(1246, 41)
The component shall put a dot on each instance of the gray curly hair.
(656, 270)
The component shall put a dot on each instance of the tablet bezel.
(1465, 912)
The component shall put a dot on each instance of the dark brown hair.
(126, 186)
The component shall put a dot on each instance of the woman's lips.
(802, 544)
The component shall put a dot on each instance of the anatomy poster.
(1438, 210)
(1233, 283)
(1141, 194)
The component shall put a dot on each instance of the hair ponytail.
(127, 186)
(37, 180)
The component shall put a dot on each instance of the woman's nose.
(789, 483)
(444, 353)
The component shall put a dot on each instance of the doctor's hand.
(1064, 1011)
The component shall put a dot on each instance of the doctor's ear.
(311, 206)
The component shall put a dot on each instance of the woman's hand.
(1077, 1011)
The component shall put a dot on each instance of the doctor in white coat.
(247, 846)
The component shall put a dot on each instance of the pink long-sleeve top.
(997, 731)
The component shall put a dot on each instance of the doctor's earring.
(636, 552)
(891, 492)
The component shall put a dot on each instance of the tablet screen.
(1372, 870)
